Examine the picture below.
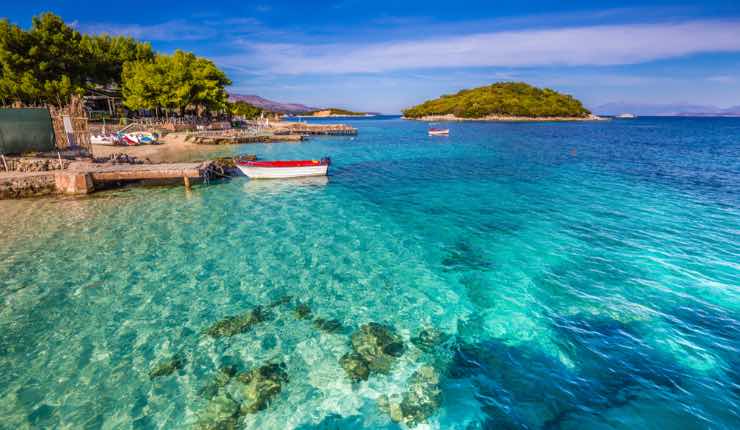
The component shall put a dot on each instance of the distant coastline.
(333, 113)
(507, 118)
(365, 115)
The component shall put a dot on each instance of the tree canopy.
(515, 99)
(244, 110)
(52, 61)
(174, 82)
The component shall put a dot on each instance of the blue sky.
(384, 56)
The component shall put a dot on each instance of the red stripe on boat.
(294, 163)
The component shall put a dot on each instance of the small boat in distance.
(626, 116)
(284, 169)
(439, 131)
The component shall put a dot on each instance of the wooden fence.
(76, 133)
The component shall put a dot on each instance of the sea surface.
(561, 276)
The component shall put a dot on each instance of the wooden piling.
(186, 180)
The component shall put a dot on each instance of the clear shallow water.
(588, 275)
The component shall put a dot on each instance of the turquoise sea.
(533, 276)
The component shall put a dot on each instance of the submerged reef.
(284, 300)
(429, 338)
(419, 402)
(234, 325)
(375, 347)
(261, 385)
(220, 380)
(232, 395)
(302, 311)
(463, 257)
(328, 326)
(168, 367)
(221, 413)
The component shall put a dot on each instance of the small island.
(502, 101)
(332, 112)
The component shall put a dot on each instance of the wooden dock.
(235, 137)
(316, 129)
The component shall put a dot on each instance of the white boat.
(439, 131)
(104, 139)
(284, 169)
(626, 116)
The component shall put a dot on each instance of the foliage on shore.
(174, 82)
(244, 110)
(516, 99)
(52, 61)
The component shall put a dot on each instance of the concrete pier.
(82, 177)
(73, 183)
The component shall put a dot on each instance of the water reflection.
(284, 185)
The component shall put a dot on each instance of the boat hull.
(258, 172)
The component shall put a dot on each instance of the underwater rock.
(429, 338)
(222, 413)
(168, 366)
(329, 326)
(375, 347)
(355, 366)
(302, 311)
(284, 300)
(220, 380)
(463, 257)
(379, 345)
(420, 402)
(237, 324)
(261, 385)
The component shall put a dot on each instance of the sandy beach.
(173, 149)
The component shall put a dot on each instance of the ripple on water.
(492, 279)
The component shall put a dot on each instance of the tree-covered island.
(502, 101)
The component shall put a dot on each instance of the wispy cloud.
(572, 46)
(165, 31)
(722, 79)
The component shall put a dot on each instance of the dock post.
(186, 180)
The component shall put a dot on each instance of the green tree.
(43, 64)
(105, 56)
(175, 82)
(244, 110)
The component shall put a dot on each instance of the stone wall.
(34, 164)
(15, 187)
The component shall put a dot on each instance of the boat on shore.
(281, 169)
(439, 131)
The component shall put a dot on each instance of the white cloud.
(572, 46)
(722, 79)
(166, 31)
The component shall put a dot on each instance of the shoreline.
(332, 116)
(505, 118)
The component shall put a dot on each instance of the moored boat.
(284, 169)
(439, 131)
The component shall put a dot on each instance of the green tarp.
(25, 130)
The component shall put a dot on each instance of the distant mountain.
(669, 109)
(270, 105)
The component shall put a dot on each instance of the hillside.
(334, 112)
(271, 106)
(503, 100)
